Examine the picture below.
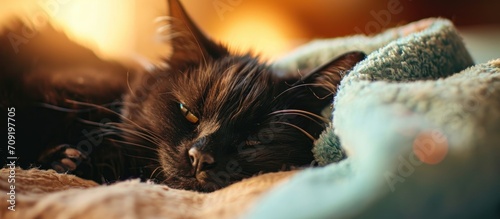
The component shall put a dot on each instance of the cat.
(207, 120)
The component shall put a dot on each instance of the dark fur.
(250, 120)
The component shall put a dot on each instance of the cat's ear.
(187, 40)
(322, 82)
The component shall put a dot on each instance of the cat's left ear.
(188, 41)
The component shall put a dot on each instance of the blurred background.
(121, 28)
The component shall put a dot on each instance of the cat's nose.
(200, 160)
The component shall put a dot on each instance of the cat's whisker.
(324, 97)
(105, 133)
(109, 133)
(165, 180)
(151, 165)
(105, 129)
(298, 128)
(301, 76)
(305, 116)
(96, 106)
(68, 110)
(62, 109)
(103, 126)
(154, 172)
(114, 128)
(157, 171)
(128, 104)
(108, 129)
(295, 87)
(140, 135)
(300, 111)
(144, 158)
(133, 144)
(163, 172)
(113, 168)
(107, 110)
(155, 138)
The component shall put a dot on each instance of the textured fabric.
(48, 195)
(420, 128)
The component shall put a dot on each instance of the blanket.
(418, 121)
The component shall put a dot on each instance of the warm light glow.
(10, 9)
(262, 33)
(105, 26)
(112, 29)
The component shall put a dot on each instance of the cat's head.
(216, 118)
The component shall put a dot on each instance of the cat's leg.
(62, 158)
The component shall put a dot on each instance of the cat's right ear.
(319, 86)
(189, 44)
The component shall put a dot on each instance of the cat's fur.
(247, 119)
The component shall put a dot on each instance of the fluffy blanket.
(418, 121)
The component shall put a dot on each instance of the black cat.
(207, 120)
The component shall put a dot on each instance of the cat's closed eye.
(188, 114)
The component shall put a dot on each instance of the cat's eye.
(188, 114)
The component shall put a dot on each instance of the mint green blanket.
(420, 125)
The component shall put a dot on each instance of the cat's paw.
(63, 158)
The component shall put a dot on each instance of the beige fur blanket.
(46, 194)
